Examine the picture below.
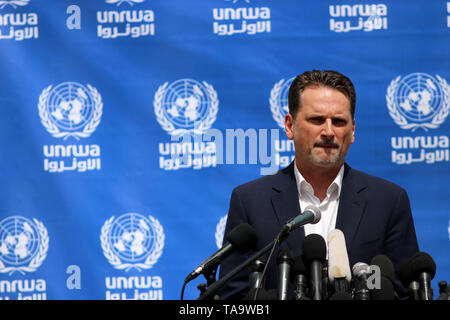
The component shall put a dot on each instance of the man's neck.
(319, 178)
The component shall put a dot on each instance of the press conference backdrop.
(125, 125)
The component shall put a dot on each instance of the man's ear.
(289, 126)
(353, 131)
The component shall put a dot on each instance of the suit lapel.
(351, 206)
(285, 203)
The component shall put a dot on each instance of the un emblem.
(13, 3)
(186, 106)
(23, 244)
(119, 2)
(418, 101)
(132, 241)
(70, 110)
(279, 100)
(220, 230)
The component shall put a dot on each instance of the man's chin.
(328, 162)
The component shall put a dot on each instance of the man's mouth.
(327, 145)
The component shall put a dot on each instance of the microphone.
(386, 291)
(255, 277)
(386, 266)
(314, 252)
(311, 214)
(424, 268)
(407, 279)
(360, 272)
(416, 274)
(242, 238)
(284, 261)
(338, 264)
(443, 290)
(325, 282)
(298, 276)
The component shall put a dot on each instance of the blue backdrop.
(125, 125)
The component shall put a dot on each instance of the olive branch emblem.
(401, 120)
(220, 230)
(200, 126)
(13, 3)
(53, 129)
(115, 261)
(39, 256)
(275, 108)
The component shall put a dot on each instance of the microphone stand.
(210, 276)
(220, 283)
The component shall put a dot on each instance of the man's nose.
(328, 129)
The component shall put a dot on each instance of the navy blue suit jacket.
(374, 215)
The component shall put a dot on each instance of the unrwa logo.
(119, 2)
(220, 230)
(418, 100)
(132, 241)
(186, 106)
(278, 100)
(70, 110)
(13, 3)
(23, 244)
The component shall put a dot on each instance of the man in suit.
(374, 214)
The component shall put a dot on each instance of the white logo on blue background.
(70, 110)
(279, 100)
(119, 2)
(23, 244)
(132, 241)
(418, 100)
(13, 3)
(220, 231)
(234, 1)
(186, 106)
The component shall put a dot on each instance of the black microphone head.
(285, 256)
(386, 266)
(422, 262)
(341, 296)
(385, 292)
(243, 238)
(314, 247)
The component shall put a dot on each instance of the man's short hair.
(327, 78)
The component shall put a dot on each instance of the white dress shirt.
(328, 207)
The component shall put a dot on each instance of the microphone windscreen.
(385, 292)
(338, 263)
(314, 247)
(422, 262)
(243, 237)
(386, 266)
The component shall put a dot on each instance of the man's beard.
(328, 161)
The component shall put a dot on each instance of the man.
(373, 214)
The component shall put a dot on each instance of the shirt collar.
(303, 186)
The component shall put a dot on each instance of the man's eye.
(317, 120)
(339, 122)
